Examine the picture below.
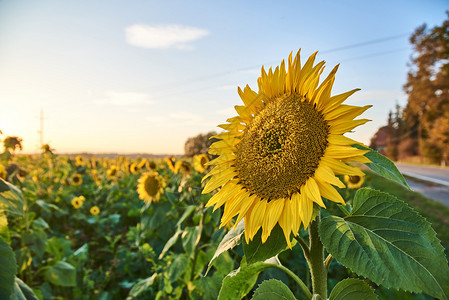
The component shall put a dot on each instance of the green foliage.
(239, 282)
(257, 251)
(388, 242)
(229, 241)
(273, 289)
(11, 200)
(61, 274)
(352, 289)
(383, 166)
(7, 270)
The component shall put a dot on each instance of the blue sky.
(143, 76)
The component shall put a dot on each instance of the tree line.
(420, 131)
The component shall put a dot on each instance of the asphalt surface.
(432, 182)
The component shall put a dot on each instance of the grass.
(435, 212)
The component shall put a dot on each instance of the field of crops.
(111, 228)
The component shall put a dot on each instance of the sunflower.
(2, 172)
(112, 172)
(354, 181)
(182, 166)
(151, 165)
(280, 155)
(79, 160)
(94, 210)
(77, 202)
(151, 186)
(199, 162)
(170, 161)
(133, 168)
(142, 163)
(77, 179)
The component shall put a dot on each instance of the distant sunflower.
(151, 165)
(281, 153)
(199, 162)
(170, 161)
(182, 166)
(77, 202)
(133, 168)
(79, 160)
(2, 172)
(77, 179)
(354, 181)
(142, 163)
(94, 210)
(151, 186)
(112, 172)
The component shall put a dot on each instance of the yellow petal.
(325, 174)
(218, 180)
(346, 126)
(340, 168)
(330, 192)
(335, 101)
(273, 212)
(313, 192)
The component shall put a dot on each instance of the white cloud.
(124, 98)
(163, 36)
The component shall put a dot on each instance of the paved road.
(432, 182)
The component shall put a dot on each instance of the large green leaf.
(239, 282)
(190, 239)
(141, 287)
(170, 243)
(352, 289)
(8, 270)
(62, 274)
(383, 239)
(273, 289)
(383, 166)
(258, 251)
(229, 241)
(11, 199)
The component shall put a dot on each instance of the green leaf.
(388, 242)
(178, 267)
(187, 212)
(26, 291)
(239, 282)
(62, 274)
(273, 289)
(11, 199)
(382, 165)
(59, 247)
(190, 239)
(352, 289)
(40, 223)
(229, 241)
(170, 243)
(8, 270)
(141, 287)
(4, 231)
(35, 240)
(258, 251)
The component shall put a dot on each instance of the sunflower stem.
(304, 246)
(318, 270)
(298, 280)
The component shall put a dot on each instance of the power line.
(351, 46)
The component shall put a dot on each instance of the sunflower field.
(280, 208)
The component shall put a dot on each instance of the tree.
(427, 88)
(199, 144)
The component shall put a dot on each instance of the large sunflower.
(151, 186)
(280, 155)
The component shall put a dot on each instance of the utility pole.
(41, 130)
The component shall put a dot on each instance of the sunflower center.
(281, 147)
(354, 179)
(151, 186)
